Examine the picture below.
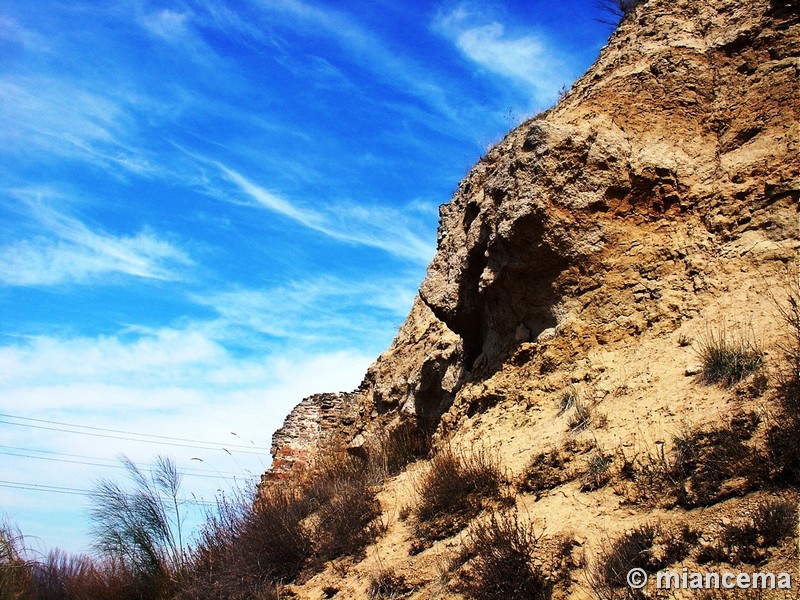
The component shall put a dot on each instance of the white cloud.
(314, 312)
(167, 24)
(378, 227)
(46, 116)
(170, 382)
(12, 31)
(529, 60)
(272, 202)
(370, 52)
(66, 250)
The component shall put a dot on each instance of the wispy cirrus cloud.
(47, 118)
(529, 60)
(386, 229)
(12, 31)
(369, 51)
(313, 310)
(168, 24)
(63, 249)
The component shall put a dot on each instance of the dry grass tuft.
(452, 491)
(727, 360)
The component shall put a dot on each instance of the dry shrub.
(782, 460)
(676, 544)
(245, 548)
(548, 470)
(649, 547)
(782, 448)
(727, 360)
(15, 572)
(273, 538)
(402, 445)
(581, 416)
(608, 574)
(452, 490)
(706, 466)
(775, 520)
(567, 400)
(342, 494)
(75, 577)
(598, 471)
(388, 584)
(501, 551)
(748, 541)
(789, 376)
(706, 460)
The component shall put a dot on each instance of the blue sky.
(210, 210)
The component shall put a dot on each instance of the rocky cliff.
(623, 210)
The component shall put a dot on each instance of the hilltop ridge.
(584, 266)
(595, 220)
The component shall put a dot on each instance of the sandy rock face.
(602, 217)
(691, 111)
(690, 116)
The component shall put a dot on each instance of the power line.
(57, 489)
(94, 464)
(43, 487)
(117, 437)
(186, 470)
(150, 435)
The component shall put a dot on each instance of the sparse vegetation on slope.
(501, 553)
(452, 491)
(388, 585)
(728, 359)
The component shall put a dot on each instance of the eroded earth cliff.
(590, 253)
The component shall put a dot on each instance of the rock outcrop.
(316, 418)
(602, 218)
